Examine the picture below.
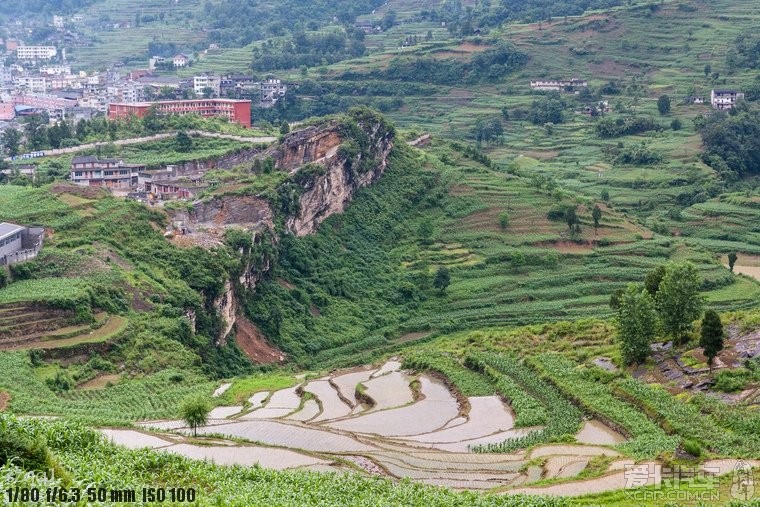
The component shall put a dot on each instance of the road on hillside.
(156, 137)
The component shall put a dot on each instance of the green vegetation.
(590, 390)
(194, 412)
(711, 336)
(637, 322)
(468, 382)
(91, 458)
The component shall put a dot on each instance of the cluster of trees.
(607, 127)
(732, 142)
(548, 109)
(488, 131)
(32, 7)
(668, 301)
(309, 50)
(745, 53)
(461, 19)
(489, 65)
(231, 25)
(637, 154)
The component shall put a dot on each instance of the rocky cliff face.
(329, 193)
(327, 164)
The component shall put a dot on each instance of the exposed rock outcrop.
(325, 178)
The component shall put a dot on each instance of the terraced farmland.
(427, 433)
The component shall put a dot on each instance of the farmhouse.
(238, 111)
(180, 60)
(568, 85)
(19, 243)
(110, 173)
(724, 99)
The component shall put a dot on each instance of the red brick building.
(238, 111)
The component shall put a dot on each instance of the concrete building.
(34, 84)
(200, 83)
(58, 22)
(725, 99)
(36, 52)
(7, 111)
(272, 90)
(238, 111)
(111, 173)
(180, 60)
(19, 243)
(568, 85)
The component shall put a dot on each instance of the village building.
(725, 99)
(110, 173)
(180, 60)
(237, 111)
(36, 52)
(19, 243)
(207, 81)
(567, 85)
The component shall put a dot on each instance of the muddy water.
(610, 482)
(392, 365)
(257, 400)
(347, 383)
(564, 466)
(224, 412)
(309, 411)
(282, 403)
(488, 415)
(288, 435)
(267, 457)
(595, 432)
(332, 406)
(466, 445)
(132, 439)
(429, 414)
(571, 450)
(391, 390)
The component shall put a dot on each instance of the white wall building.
(36, 52)
(207, 81)
(725, 99)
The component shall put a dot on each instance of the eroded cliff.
(326, 165)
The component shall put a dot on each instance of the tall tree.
(637, 324)
(663, 104)
(596, 214)
(678, 299)
(11, 141)
(711, 338)
(442, 279)
(194, 412)
(732, 260)
(653, 280)
(184, 142)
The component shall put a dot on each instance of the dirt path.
(157, 137)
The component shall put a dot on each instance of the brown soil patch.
(100, 382)
(410, 337)
(753, 271)
(286, 284)
(568, 247)
(314, 310)
(461, 190)
(79, 191)
(255, 345)
(608, 68)
(541, 155)
(5, 399)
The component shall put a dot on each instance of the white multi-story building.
(272, 90)
(207, 81)
(725, 99)
(180, 60)
(56, 70)
(36, 52)
(58, 22)
(35, 84)
(558, 85)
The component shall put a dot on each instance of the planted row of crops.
(468, 382)
(153, 397)
(534, 401)
(686, 420)
(594, 395)
(97, 462)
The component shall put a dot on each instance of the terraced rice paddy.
(419, 430)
